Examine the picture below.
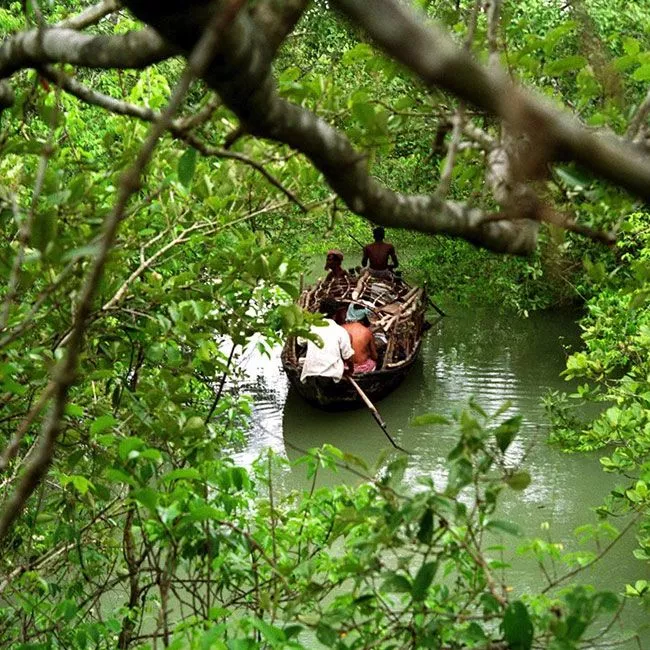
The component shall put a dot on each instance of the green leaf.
(394, 471)
(631, 46)
(147, 497)
(518, 480)
(80, 483)
(128, 446)
(74, 410)
(293, 630)
(572, 179)
(194, 426)
(606, 601)
(269, 632)
(212, 639)
(102, 423)
(639, 299)
(360, 52)
(425, 533)
(505, 433)
(566, 64)
(326, 635)
(397, 583)
(364, 112)
(642, 73)
(429, 418)
(476, 407)
(90, 250)
(20, 147)
(187, 166)
(460, 475)
(115, 475)
(185, 473)
(43, 230)
(423, 580)
(50, 115)
(504, 527)
(203, 512)
(517, 627)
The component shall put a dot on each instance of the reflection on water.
(469, 354)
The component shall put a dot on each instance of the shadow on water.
(493, 359)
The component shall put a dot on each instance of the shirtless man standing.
(378, 254)
(363, 344)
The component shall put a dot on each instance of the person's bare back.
(378, 254)
(363, 343)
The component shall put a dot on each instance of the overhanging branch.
(91, 15)
(428, 51)
(242, 77)
(35, 47)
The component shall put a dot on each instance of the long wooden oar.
(433, 304)
(351, 236)
(375, 414)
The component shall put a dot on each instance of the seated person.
(378, 254)
(334, 357)
(363, 343)
(333, 263)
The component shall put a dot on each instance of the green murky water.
(494, 359)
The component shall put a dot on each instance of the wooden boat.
(397, 317)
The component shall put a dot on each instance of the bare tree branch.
(252, 95)
(429, 52)
(91, 15)
(202, 115)
(37, 47)
(277, 19)
(481, 137)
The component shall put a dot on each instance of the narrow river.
(494, 359)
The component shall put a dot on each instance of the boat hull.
(325, 393)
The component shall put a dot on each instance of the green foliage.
(172, 523)
(613, 373)
(146, 532)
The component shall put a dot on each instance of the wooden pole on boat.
(375, 414)
(351, 236)
(433, 304)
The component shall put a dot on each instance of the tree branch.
(244, 82)
(452, 151)
(179, 128)
(429, 52)
(37, 47)
(91, 15)
(640, 116)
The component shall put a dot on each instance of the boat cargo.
(397, 321)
